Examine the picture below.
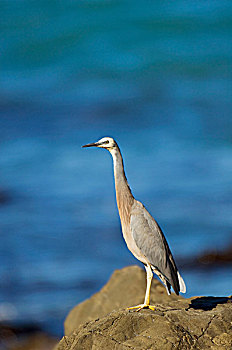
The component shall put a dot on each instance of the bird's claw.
(142, 306)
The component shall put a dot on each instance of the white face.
(106, 142)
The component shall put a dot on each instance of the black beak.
(90, 145)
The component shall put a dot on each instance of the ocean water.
(154, 75)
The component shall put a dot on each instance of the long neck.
(123, 192)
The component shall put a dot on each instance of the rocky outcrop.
(25, 337)
(102, 322)
(208, 260)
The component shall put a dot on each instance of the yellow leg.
(146, 304)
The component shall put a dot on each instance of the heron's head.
(105, 142)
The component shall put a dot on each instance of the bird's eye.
(107, 142)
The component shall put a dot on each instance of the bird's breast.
(124, 214)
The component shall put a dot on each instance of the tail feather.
(181, 283)
(178, 284)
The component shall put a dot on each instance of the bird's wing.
(150, 239)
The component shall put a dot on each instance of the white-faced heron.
(143, 236)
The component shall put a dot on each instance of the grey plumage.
(153, 245)
(143, 235)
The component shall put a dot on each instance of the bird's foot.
(142, 306)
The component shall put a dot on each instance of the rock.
(209, 259)
(39, 341)
(125, 288)
(102, 322)
(25, 337)
(216, 257)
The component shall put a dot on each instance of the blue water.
(156, 76)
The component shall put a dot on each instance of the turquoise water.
(156, 76)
